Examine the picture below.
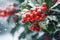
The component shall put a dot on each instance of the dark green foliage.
(57, 6)
(15, 28)
(17, 24)
(52, 26)
(34, 37)
(12, 14)
(49, 3)
(57, 35)
(28, 7)
(24, 33)
(21, 1)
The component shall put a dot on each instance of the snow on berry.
(34, 13)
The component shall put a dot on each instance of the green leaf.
(51, 26)
(39, 2)
(21, 1)
(26, 25)
(58, 19)
(49, 3)
(9, 18)
(25, 6)
(55, 10)
(15, 28)
(43, 24)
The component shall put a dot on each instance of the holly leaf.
(37, 2)
(24, 33)
(21, 1)
(51, 26)
(25, 6)
(15, 28)
(49, 3)
(25, 25)
(55, 10)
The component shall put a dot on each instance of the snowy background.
(5, 28)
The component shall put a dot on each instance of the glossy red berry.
(29, 27)
(2, 14)
(37, 29)
(42, 15)
(28, 19)
(28, 15)
(40, 19)
(32, 19)
(43, 8)
(44, 5)
(23, 21)
(7, 13)
(37, 17)
(54, 1)
(24, 16)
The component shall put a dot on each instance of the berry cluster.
(34, 14)
(35, 27)
(5, 12)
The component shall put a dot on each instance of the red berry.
(54, 1)
(39, 10)
(2, 14)
(43, 8)
(33, 12)
(23, 21)
(32, 9)
(40, 19)
(7, 13)
(29, 28)
(44, 5)
(42, 15)
(38, 30)
(28, 15)
(23, 16)
(32, 27)
(28, 19)
(32, 19)
(37, 17)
